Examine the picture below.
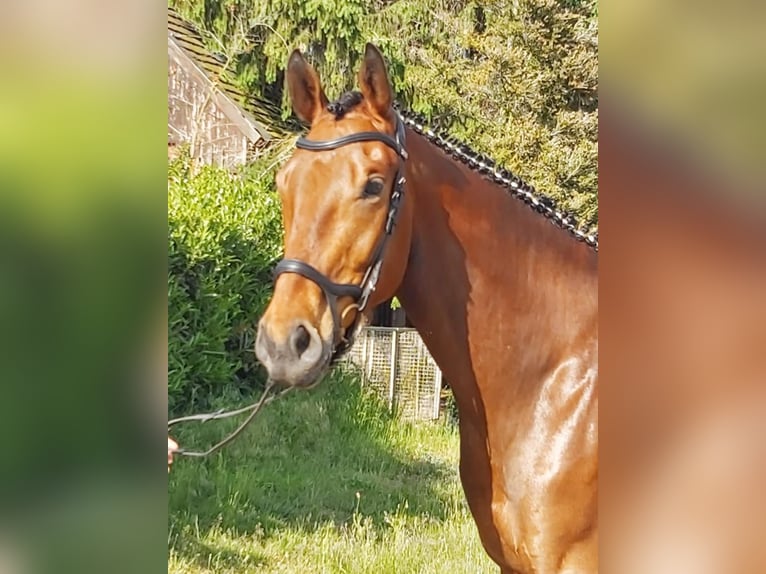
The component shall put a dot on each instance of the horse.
(683, 323)
(500, 284)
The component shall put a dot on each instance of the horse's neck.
(486, 273)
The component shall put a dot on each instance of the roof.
(185, 40)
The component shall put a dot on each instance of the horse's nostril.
(300, 339)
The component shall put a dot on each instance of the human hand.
(172, 447)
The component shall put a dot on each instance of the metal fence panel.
(396, 363)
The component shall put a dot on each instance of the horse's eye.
(373, 187)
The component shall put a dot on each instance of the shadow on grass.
(314, 457)
(216, 556)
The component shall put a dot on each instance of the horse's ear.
(373, 81)
(304, 88)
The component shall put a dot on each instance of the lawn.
(323, 481)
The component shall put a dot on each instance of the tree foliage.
(516, 79)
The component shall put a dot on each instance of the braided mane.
(486, 166)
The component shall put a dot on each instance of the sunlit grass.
(325, 481)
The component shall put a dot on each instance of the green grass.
(323, 481)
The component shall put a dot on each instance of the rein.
(221, 414)
(359, 293)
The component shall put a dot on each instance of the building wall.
(195, 120)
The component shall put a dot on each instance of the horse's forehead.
(328, 128)
(332, 129)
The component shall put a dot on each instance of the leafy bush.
(224, 237)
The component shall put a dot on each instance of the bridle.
(332, 291)
(359, 293)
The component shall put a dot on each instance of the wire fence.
(396, 363)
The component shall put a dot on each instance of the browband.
(313, 145)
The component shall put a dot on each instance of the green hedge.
(224, 238)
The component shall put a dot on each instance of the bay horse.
(683, 325)
(501, 286)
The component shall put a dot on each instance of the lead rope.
(221, 414)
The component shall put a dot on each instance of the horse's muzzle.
(297, 360)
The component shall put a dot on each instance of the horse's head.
(347, 224)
